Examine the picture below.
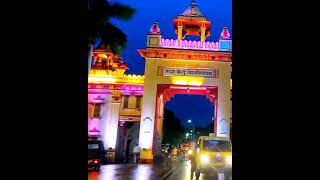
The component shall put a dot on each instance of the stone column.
(147, 120)
(109, 121)
(203, 33)
(104, 121)
(224, 103)
(114, 120)
(180, 32)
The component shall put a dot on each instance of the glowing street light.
(187, 134)
(189, 121)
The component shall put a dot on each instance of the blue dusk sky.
(219, 12)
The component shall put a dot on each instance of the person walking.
(136, 152)
(193, 162)
(174, 153)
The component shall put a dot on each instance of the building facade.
(114, 101)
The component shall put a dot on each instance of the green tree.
(173, 131)
(99, 27)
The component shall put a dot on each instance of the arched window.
(96, 111)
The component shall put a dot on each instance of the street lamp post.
(191, 134)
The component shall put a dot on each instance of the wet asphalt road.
(176, 171)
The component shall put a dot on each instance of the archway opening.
(183, 113)
(186, 117)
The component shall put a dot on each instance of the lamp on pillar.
(225, 41)
(154, 35)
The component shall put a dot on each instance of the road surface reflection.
(181, 171)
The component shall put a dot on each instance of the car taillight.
(95, 161)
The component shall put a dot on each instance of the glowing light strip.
(102, 79)
(111, 79)
(185, 44)
(181, 87)
(137, 88)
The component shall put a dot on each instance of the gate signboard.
(206, 73)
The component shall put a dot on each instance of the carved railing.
(188, 44)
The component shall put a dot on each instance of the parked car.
(95, 154)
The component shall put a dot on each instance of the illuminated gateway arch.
(172, 66)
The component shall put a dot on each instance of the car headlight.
(204, 158)
(190, 152)
(229, 159)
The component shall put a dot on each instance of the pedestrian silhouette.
(136, 152)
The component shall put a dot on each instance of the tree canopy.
(173, 131)
(100, 12)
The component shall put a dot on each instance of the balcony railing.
(187, 44)
(102, 76)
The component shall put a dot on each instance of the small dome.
(225, 33)
(192, 10)
(155, 29)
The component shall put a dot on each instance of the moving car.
(214, 154)
(95, 154)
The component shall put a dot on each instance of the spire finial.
(192, 10)
(155, 29)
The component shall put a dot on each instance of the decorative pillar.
(225, 42)
(110, 119)
(161, 116)
(203, 33)
(154, 36)
(224, 104)
(104, 123)
(158, 134)
(146, 134)
(114, 119)
(215, 115)
(180, 27)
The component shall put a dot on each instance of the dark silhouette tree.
(173, 131)
(99, 27)
(204, 131)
